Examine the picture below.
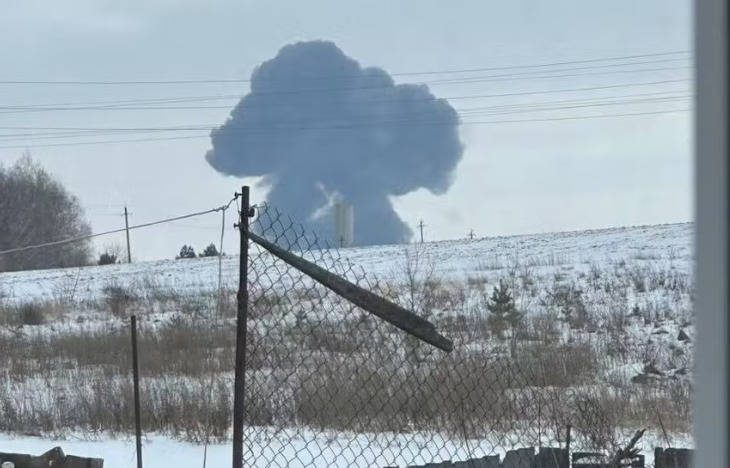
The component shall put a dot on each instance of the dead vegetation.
(316, 361)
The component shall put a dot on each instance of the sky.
(540, 175)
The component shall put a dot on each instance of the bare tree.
(420, 285)
(36, 209)
(418, 273)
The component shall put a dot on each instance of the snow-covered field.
(602, 341)
(291, 450)
(663, 246)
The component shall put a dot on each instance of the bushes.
(118, 299)
(32, 314)
(317, 361)
(558, 365)
(29, 313)
(107, 259)
(567, 299)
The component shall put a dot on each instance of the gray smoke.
(316, 123)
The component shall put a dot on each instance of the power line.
(484, 79)
(113, 104)
(412, 119)
(419, 73)
(223, 106)
(116, 105)
(584, 117)
(587, 99)
(526, 107)
(476, 112)
(115, 231)
(354, 125)
(522, 74)
(407, 120)
(487, 122)
(494, 78)
(74, 132)
(531, 109)
(550, 64)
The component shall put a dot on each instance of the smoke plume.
(317, 125)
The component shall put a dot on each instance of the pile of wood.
(54, 458)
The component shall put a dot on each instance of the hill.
(593, 329)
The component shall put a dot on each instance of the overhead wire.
(539, 106)
(72, 132)
(520, 76)
(113, 105)
(486, 122)
(115, 231)
(418, 117)
(231, 106)
(328, 78)
(295, 125)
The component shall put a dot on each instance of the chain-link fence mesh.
(329, 384)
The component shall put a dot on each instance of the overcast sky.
(515, 178)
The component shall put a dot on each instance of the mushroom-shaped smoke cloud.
(316, 125)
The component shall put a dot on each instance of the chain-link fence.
(329, 384)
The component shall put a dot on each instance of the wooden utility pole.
(420, 226)
(239, 379)
(126, 227)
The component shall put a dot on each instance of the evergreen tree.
(503, 312)
(210, 251)
(187, 251)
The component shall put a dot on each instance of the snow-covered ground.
(627, 293)
(662, 246)
(296, 450)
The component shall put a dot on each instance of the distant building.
(344, 224)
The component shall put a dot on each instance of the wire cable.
(116, 105)
(483, 110)
(466, 112)
(489, 78)
(115, 231)
(485, 122)
(229, 106)
(419, 73)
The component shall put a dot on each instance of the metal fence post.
(239, 386)
(135, 377)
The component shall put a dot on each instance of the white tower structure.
(344, 224)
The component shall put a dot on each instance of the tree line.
(112, 255)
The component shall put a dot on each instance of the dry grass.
(30, 313)
(316, 361)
